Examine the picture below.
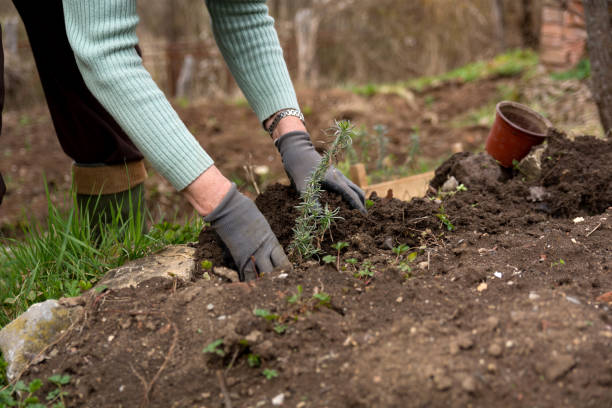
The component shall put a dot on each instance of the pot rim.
(528, 110)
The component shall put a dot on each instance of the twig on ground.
(226, 397)
(593, 230)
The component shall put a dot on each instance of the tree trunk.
(497, 7)
(528, 33)
(599, 42)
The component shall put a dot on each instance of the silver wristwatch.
(283, 114)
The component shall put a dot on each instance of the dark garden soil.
(498, 302)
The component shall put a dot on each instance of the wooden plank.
(357, 173)
(404, 188)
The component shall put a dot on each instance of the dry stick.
(224, 391)
(148, 386)
(593, 230)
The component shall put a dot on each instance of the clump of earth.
(489, 295)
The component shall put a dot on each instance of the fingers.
(279, 258)
(336, 181)
(248, 272)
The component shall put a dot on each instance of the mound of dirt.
(492, 302)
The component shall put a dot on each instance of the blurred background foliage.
(346, 41)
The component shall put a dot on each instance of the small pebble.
(495, 350)
(399, 299)
(572, 299)
(533, 296)
(498, 275)
(482, 286)
(210, 306)
(469, 384)
(278, 400)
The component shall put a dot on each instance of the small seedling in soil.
(280, 328)
(253, 360)
(295, 298)
(365, 270)
(206, 265)
(399, 250)
(558, 263)
(369, 204)
(352, 262)
(329, 259)
(57, 393)
(266, 314)
(444, 218)
(462, 187)
(269, 374)
(215, 348)
(339, 246)
(323, 299)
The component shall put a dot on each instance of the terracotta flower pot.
(515, 131)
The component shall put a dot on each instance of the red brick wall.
(563, 33)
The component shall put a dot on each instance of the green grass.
(581, 71)
(511, 63)
(66, 256)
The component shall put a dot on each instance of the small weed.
(580, 72)
(369, 204)
(323, 299)
(560, 262)
(295, 298)
(266, 314)
(399, 250)
(329, 259)
(215, 348)
(444, 218)
(269, 373)
(253, 360)
(206, 265)
(365, 271)
(280, 328)
(461, 187)
(21, 395)
(339, 246)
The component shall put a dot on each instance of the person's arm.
(102, 34)
(249, 43)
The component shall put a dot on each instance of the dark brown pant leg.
(2, 186)
(86, 132)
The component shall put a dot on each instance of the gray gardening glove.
(247, 235)
(300, 159)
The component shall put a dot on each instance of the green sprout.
(295, 298)
(253, 360)
(369, 204)
(266, 314)
(366, 270)
(444, 218)
(323, 299)
(215, 348)
(339, 246)
(269, 374)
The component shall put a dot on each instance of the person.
(108, 170)
(103, 39)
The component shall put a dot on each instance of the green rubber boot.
(111, 196)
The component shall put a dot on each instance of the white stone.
(278, 400)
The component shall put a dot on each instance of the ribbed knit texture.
(102, 34)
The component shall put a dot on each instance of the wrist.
(207, 191)
(289, 123)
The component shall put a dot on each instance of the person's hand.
(247, 235)
(300, 159)
(2, 188)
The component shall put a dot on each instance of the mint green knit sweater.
(102, 34)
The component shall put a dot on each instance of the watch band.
(283, 114)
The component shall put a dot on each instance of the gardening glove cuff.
(247, 235)
(300, 160)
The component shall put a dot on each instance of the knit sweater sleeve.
(102, 34)
(249, 43)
